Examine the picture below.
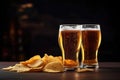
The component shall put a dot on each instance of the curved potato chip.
(54, 67)
(69, 62)
(8, 68)
(36, 63)
(31, 60)
(37, 69)
(20, 68)
(50, 70)
(48, 63)
(49, 58)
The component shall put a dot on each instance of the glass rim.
(91, 24)
(79, 24)
(71, 27)
(69, 24)
(90, 27)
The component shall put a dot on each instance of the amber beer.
(91, 39)
(69, 40)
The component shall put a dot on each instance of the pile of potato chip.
(47, 63)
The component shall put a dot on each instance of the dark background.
(44, 17)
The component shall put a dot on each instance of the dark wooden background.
(46, 15)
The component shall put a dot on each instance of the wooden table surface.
(107, 71)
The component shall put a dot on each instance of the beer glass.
(69, 40)
(91, 39)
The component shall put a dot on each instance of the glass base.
(92, 66)
(70, 68)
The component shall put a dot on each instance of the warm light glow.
(21, 10)
(24, 17)
(23, 6)
(28, 5)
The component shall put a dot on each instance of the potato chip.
(20, 68)
(31, 60)
(37, 69)
(84, 70)
(36, 63)
(54, 66)
(48, 63)
(69, 62)
(50, 58)
(8, 68)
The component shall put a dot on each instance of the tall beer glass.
(91, 39)
(69, 39)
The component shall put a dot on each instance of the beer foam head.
(90, 27)
(70, 27)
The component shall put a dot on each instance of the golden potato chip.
(54, 66)
(37, 69)
(48, 63)
(31, 60)
(84, 70)
(36, 63)
(59, 58)
(69, 62)
(50, 58)
(50, 70)
(20, 68)
(8, 68)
